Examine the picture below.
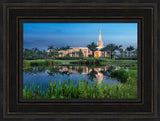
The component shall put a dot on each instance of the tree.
(129, 50)
(34, 53)
(61, 54)
(135, 53)
(104, 50)
(50, 47)
(53, 53)
(120, 49)
(68, 55)
(111, 48)
(40, 53)
(27, 53)
(44, 53)
(67, 47)
(92, 47)
(64, 48)
(80, 53)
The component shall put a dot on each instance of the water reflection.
(69, 72)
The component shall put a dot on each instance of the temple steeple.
(100, 34)
(100, 43)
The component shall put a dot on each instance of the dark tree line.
(34, 53)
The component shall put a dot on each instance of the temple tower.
(100, 42)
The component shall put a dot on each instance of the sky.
(42, 35)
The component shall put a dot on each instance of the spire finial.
(99, 33)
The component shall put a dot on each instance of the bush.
(133, 67)
(127, 58)
(68, 58)
(40, 63)
(120, 74)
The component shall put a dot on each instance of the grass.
(121, 63)
(88, 62)
(38, 62)
(68, 90)
(133, 67)
(46, 62)
(101, 62)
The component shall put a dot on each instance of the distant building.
(74, 51)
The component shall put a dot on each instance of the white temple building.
(72, 52)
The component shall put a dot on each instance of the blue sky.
(41, 35)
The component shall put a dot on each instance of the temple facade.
(74, 51)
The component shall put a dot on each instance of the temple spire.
(100, 43)
(100, 34)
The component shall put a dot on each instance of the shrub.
(69, 58)
(120, 74)
(133, 67)
(40, 63)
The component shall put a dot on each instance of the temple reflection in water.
(92, 72)
(42, 75)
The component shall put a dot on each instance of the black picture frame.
(14, 13)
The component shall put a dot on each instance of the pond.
(42, 75)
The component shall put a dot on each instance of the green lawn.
(92, 61)
(46, 62)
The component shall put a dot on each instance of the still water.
(42, 75)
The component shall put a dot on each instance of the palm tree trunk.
(92, 53)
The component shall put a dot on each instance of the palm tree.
(50, 47)
(44, 53)
(40, 53)
(120, 49)
(129, 49)
(135, 53)
(67, 47)
(54, 53)
(92, 47)
(27, 53)
(104, 50)
(34, 52)
(111, 48)
(64, 48)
